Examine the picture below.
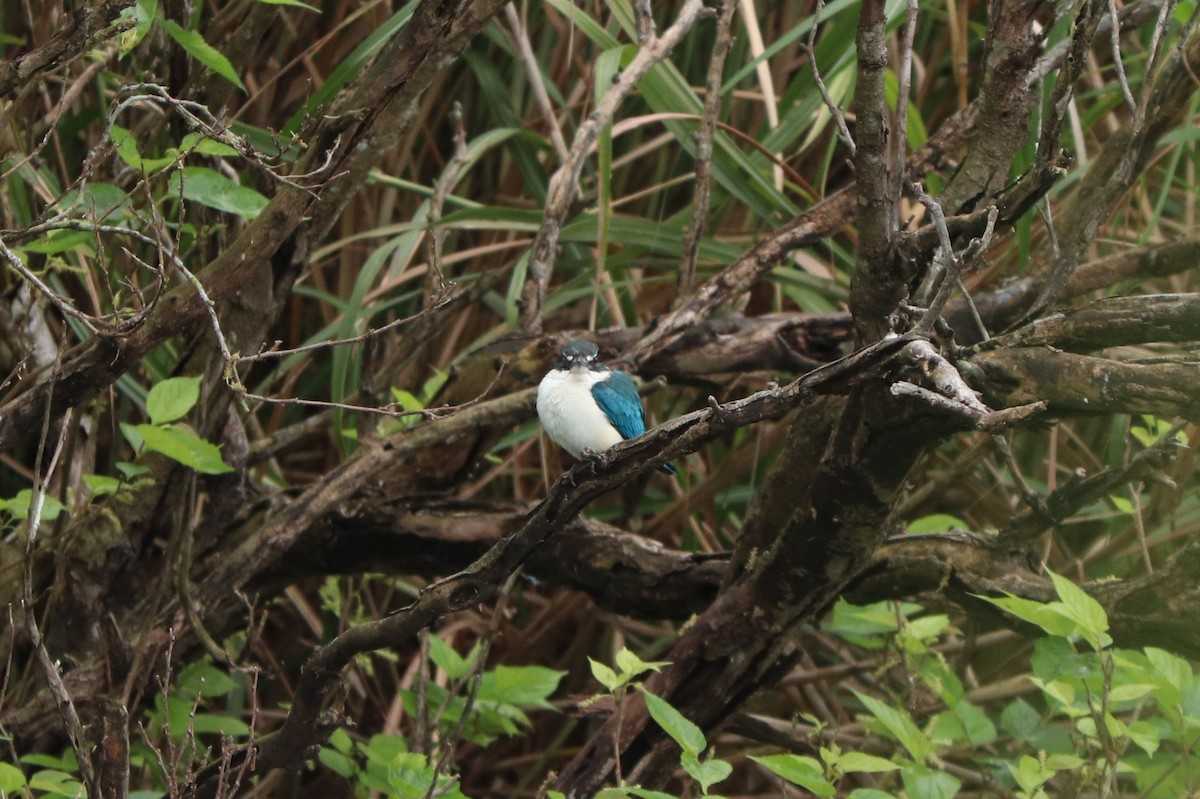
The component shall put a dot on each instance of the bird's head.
(579, 353)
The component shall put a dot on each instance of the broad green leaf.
(12, 779)
(341, 740)
(632, 665)
(1121, 504)
(646, 793)
(142, 13)
(1064, 762)
(1173, 674)
(214, 190)
(336, 762)
(202, 51)
(936, 523)
(102, 201)
(861, 761)
(978, 727)
(708, 772)
(527, 686)
(127, 151)
(1144, 734)
(605, 675)
(926, 783)
(201, 679)
(900, 726)
(180, 444)
(1029, 773)
(212, 723)
(99, 485)
(56, 783)
(1085, 610)
(19, 506)
(171, 399)
(682, 729)
(448, 660)
(197, 143)
(1054, 658)
(869, 793)
(799, 770)
(56, 241)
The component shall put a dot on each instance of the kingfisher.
(585, 407)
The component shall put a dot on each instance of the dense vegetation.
(909, 289)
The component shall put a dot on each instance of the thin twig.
(565, 180)
(704, 152)
(1118, 61)
(54, 681)
(838, 117)
(953, 266)
(533, 72)
(900, 129)
(435, 279)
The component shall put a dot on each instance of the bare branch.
(704, 152)
(565, 181)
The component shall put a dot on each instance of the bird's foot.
(598, 460)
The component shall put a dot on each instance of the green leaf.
(56, 783)
(900, 726)
(683, 730)
(202, 51)
(1144, 734)
(214, 190)
(180, 444)
(861, 761)
(1121, 504)
(448, 660)
(528, 686)
(1029, 773)
(631, 665)
(1053, 658)
(978, 727)
(172, 398)
(928, 783)
(127, 151)
(606, 676)
(936, 523)
(214, 724)
(19, 506)
(99, 485)
(708, 772)
(198, 143)
(799, 770)
(341, 740)
(1084, 610)
(869, 793)
(142, 13)
(646, 793)
(201, 679)
(1050, 616)
(336, 762)
(12, 778)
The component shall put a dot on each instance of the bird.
(586, 407)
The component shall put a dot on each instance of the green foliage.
(482, 706)
(202, 51)
(168, 401)
(383, 765)
(1108, 715)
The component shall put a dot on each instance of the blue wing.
(618, 398)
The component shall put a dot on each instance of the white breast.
(570, 414)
